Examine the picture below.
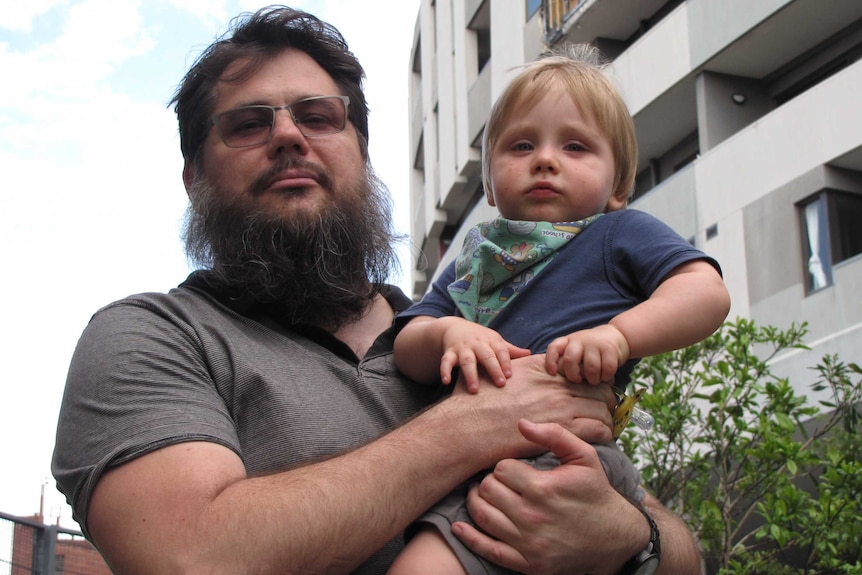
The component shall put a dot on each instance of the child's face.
(551, 163)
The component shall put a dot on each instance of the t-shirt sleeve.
(643, 250)
(138, 381)
(436, 303)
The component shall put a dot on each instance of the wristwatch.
(646, 562)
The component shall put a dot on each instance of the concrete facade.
(746, 111)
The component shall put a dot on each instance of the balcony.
(586, 20)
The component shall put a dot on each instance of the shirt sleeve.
(436, 303)
(138, 381)
(643, 250)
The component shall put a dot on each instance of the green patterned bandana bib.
(500, 257)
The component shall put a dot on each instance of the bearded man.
(252, 420)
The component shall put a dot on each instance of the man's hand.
(565, 520)
(531, 393)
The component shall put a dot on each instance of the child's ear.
(489, 196)
(618, 201)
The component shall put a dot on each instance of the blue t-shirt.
(613, 265)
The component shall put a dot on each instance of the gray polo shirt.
(155, 369)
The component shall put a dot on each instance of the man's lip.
(292, 179)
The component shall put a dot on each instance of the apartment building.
(749, 122)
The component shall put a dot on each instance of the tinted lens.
(246, 126)
(319, 116)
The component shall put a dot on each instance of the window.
(480, 24)
(831, 234)
(815, 246)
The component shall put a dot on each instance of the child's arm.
(428, 348)
(688, 305)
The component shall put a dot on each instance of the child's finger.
(447, 363)
(495, 367)
(469, 369)
(552, 357)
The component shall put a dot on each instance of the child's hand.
(468, 345)
(593, 354)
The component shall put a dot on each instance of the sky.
(91, 195)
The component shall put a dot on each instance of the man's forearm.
(189, 508)
(680, 554)
(343, 510)
(355, 503)
(326, 517)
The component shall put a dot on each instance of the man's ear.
(188, 175)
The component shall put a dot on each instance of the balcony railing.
(555, 13)
(28, 547)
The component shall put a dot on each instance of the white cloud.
(18, 16)
(72, 66)
(211, 12)
(103, 32)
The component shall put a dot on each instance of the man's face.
(298, 224)
(290, 176)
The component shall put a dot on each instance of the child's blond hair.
(577, 70)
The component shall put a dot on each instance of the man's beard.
(322, 267)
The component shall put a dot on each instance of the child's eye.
(575, 147)
(522, 147)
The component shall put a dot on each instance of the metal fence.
(29, 547)
(555, 14)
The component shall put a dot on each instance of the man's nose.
(286, 136)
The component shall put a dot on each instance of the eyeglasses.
(252, 125)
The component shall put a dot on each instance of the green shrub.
(767, 478)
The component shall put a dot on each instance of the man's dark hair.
(257, 37)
